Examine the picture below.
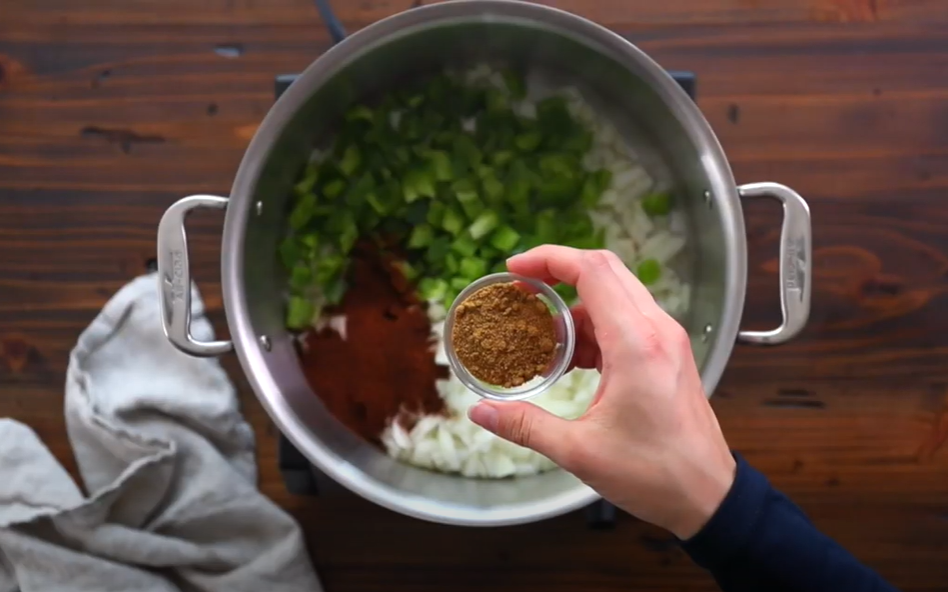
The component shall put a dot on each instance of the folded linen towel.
(169, 500)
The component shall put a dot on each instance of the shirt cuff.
(730, 529)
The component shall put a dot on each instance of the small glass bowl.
(565, 340)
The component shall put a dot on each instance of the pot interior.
(384, 57)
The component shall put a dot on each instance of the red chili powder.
(386, 364)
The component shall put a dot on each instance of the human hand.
(649, 442)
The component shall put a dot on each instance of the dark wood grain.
(109, 111)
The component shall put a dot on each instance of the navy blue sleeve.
(759, 541)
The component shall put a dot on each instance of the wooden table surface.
(110, 110)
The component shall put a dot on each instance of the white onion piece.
(338, 324)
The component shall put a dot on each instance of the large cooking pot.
(648, 103)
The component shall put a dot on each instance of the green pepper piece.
(648, 271)
(370, 219)
(516, 85)
(472, 268)
(301, 277)
(359, 191)
(488, 252)
(466, 151)
(466, 194)
(303, 211)
(417, 212)
(528, 141)
(432, 288)
(577, 141)
(310, 242)
(657, 204)
(493, 188)
(348, 234)
(496, 101)
(553, 116)
(464, 245)
(589, 194)
(501, 157)
(595, 184)
(558, 190)
(334, 188)
(504, 239)
(485, 223)
(561, 164)
(350, 161)
(409, 271)
(603, 178)
(437, 250)
(453, 221)
(335, 290)
(576, 223)
(435, 214)
(451, 263)
(421, 236)
(290, 252)
(310, 176)
(401, 155)
(299, 312)
(450, 296)
(590, 241)
(441, 165)
(546, 227)
(418, 182)
(444, 138)
(519, 185)
(328, 266)
(377, 206)
(360, 113)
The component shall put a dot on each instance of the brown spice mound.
(504, 335)
(385, 367)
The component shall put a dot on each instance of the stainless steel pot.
(644, 98)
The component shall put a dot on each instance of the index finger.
(605, 298)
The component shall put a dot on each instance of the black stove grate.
(302, 478)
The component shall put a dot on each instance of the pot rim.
(249, 351)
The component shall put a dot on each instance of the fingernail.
(484, 415)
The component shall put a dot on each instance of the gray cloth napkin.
(167, 462)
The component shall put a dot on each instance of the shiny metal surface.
(795, 263)
(174, 277)
(644, 103)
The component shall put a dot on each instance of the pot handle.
(174, 277)
(795, 263)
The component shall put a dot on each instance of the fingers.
(528, 264)
(607, 301)
(637, 291)
(587, 354)
(527, 425)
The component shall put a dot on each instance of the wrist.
(704, 492)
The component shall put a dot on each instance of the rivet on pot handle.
(174, 277)
(795, 263)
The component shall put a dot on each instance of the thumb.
(525, 424)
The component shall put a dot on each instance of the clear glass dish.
(565, 341)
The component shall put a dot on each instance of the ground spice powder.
(385, 367)
(504, 335)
